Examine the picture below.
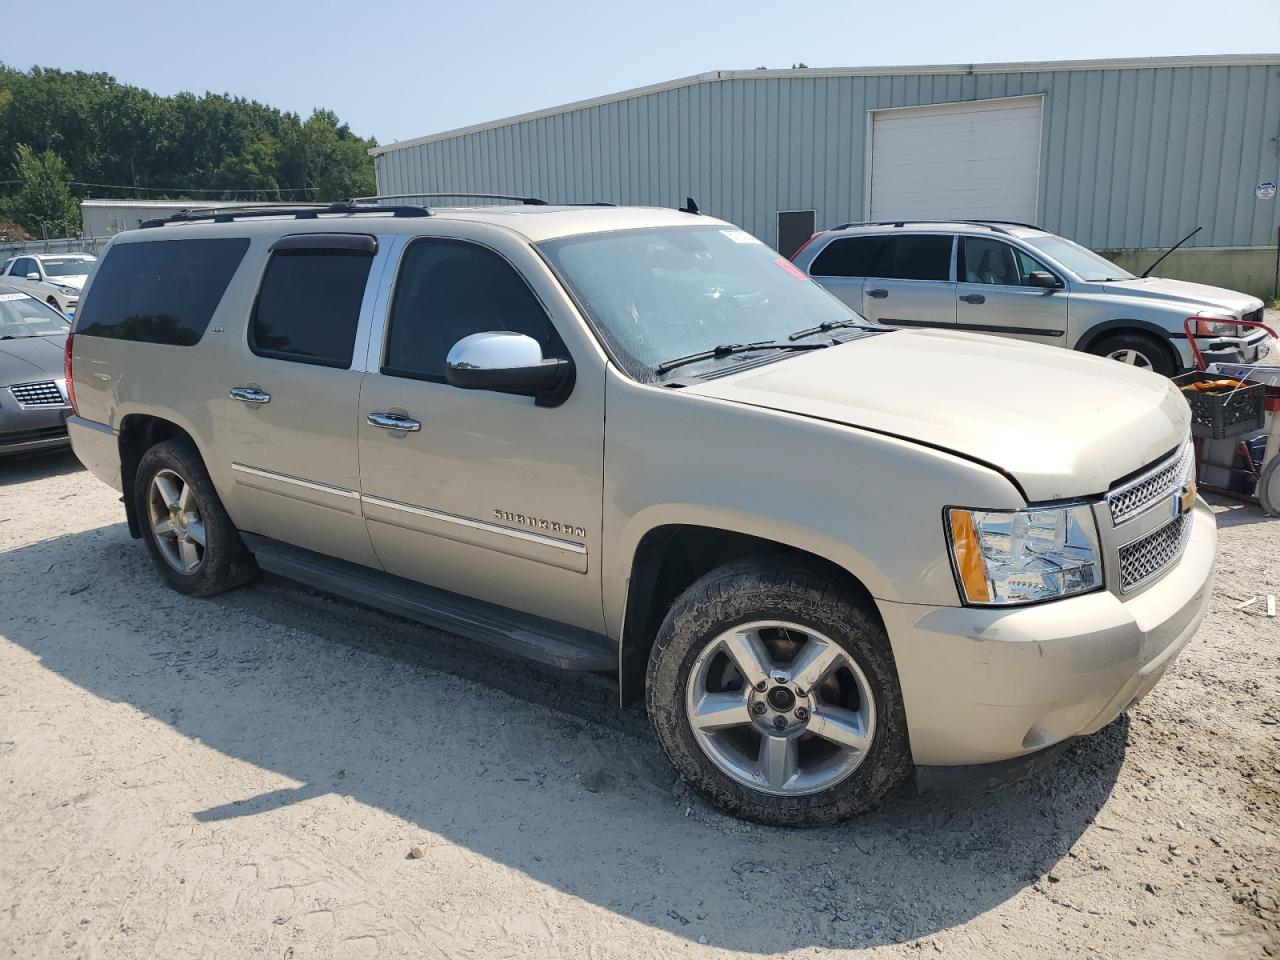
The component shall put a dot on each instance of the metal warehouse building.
(1124, 156)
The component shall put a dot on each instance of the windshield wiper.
(729, 349)
(826, 326)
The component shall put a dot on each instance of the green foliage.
(43, 204)
(107, 132)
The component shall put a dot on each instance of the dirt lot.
(248, 775)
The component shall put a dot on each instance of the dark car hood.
(26, 358)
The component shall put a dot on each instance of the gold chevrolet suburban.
(823, 551)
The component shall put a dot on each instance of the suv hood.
(1063, 424)
(1193, 296)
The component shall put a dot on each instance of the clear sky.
(396, 69)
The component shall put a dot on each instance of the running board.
(536, 638)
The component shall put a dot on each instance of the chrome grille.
(1161, 481)
(1149, 556)
(42, 394)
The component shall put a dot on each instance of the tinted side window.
(450, 289)
(162, 291)
(849, 257)
(914, 257)
(308, 306)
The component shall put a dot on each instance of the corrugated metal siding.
(1130, 158)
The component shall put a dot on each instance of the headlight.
(1216, 328)
(1019, 556)
(69, 291)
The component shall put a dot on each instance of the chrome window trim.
(567, 546)
(296, 481)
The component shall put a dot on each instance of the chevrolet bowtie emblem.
(1185, 500)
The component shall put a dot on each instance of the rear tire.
(1137, 350)
(188, 533)
(822, 739)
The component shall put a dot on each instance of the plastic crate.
(1227, 414)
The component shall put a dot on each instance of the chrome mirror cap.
(495, 350)
(505, 362)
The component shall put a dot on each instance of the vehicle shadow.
(535, 770)
(23, 468)
(1236, 513)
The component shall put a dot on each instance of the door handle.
(879, 293)
(974, 298)
(393, 421)
(249, 395)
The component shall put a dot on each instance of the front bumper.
(30, 430)
(983, 685)
(1254, 348)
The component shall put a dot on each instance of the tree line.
(69, 135)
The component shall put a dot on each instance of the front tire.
(1137, 350)
(775, 695)
(188, 533)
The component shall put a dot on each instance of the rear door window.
(914, 256)
(161, 291)
(308, 306)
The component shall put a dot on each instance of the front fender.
(869, 503)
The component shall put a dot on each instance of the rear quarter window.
(162, 291)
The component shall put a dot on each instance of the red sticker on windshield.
(791, 268)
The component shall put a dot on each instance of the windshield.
(66, 268)
(665, 292)
(1084, 263)
(23, 316)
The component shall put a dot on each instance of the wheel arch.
(138, 433)
(1167, 339)
(671, 557)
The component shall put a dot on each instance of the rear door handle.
(879, 293)
(393, 421)
(249, 395)
(974, 298)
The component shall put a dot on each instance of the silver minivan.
(1017, 280)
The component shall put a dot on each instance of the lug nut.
(761, 687)
(758, 708)
(802, 713)
(780, 722)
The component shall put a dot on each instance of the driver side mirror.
(508, 362)
(1043, 279)
(33, 276)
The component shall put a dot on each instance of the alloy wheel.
(1134, 358)
(176, 523)
(780, 708)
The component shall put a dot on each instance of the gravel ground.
(274, 773)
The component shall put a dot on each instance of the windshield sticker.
(5, 297)
(791, 268)
(739, 236)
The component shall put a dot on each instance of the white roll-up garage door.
(955, 161)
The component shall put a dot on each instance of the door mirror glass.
(1043, 278)
(508, 362)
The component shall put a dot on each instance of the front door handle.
(249, 395)
(974, 298)
(879, 293)
(393, 421)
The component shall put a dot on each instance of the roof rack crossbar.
(996, 226)
(527, 201)
(299, 211)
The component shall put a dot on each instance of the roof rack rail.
(299, 211)
(996, 226)
(527, 201)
